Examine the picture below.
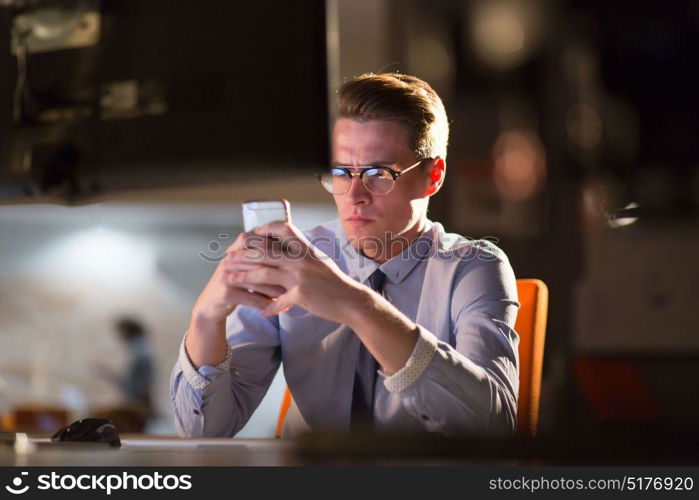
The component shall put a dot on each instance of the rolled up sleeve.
(217, 401)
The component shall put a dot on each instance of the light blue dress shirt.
(462, 376)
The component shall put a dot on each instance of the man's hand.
(222, 294)
(206, 337)
(309, 278)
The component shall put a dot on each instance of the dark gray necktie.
(365, 375)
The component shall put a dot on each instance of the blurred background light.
(498, 30)
(600, 197)
(100, 254)
(430, 56)
(505, 32)
(519, 164)
(625, 216)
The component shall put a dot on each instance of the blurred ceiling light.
(430, 57)
(603, 194)
(99, 254)
(584, 126)
(519, 164)
(504, 32)
(624, 217)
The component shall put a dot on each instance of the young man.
(381, 318)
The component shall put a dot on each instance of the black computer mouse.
(89, 430)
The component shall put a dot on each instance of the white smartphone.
(260, 212)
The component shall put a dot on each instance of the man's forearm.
(206, 341)
(385, 331)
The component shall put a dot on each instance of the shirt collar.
(360, 267)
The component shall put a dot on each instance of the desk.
(647, 448)
(141, 450)
(171, 451)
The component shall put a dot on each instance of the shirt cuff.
(422, 355)
(198, 378)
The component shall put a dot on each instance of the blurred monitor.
(100, 96)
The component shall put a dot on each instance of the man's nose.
(358, 193)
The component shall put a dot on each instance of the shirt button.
(196, 412)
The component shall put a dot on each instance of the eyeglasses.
(378, 180)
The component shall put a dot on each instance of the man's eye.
(378, 173)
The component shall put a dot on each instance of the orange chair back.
(286, 402)
(531, 327)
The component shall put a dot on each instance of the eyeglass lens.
(376, 180)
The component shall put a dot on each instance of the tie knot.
(376, 280)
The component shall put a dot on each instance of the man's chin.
(357, 233)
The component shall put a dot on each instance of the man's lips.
(359, 220)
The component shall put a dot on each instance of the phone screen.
(260, 212)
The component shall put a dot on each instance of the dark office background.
(573, 145)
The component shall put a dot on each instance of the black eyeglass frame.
(346, 169)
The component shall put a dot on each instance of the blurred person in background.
(383, 321)
(135, 382)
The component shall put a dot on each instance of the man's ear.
(437, 174)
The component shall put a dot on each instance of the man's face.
(368, 218)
